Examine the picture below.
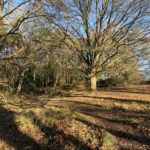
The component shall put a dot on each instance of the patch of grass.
(109, 142)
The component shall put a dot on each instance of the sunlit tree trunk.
(93, 81)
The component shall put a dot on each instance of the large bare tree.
(97, 31)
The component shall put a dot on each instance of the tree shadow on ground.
(76, 105)
(115, 120)
(122, 100)
(27, 102)
(121, 134)
(141, 90)
(10, 133)
(57, 139)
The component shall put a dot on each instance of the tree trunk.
(56, 80)
(93, 83)
(19, 87)
(34, 77)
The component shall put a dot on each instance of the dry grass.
(105, 120)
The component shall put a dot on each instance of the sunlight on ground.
(75, 120)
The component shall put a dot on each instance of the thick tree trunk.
(93, 83)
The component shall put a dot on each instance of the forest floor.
(109, 119)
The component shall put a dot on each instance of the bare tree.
(98, 30)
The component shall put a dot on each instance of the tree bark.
(93, 83)
(19, 87)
